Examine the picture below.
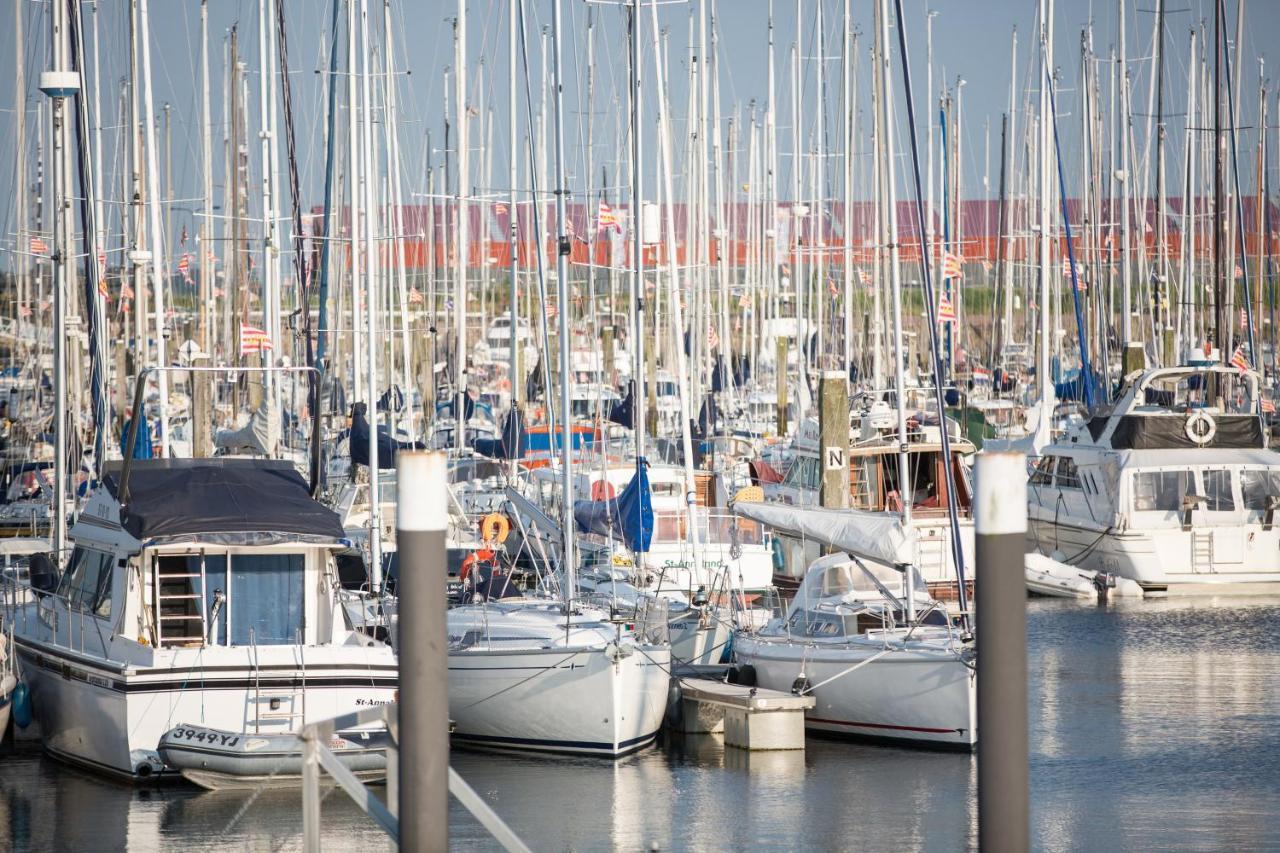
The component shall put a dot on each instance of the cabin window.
(1068, 474)
(266, 598)
(1161, 491)
(1217, 490)
(262, 598)
(1043, 475)
(1257, 487)
(86, 583)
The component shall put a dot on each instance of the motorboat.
(197, 592)
(1175, 487)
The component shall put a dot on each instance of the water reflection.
(1154, 725)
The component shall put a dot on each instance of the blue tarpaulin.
(628, 517)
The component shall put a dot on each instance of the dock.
(750, 718)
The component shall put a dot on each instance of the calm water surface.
(1155, 726)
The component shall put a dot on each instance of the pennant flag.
(1079, 280)
(184, 263)
(745, 300)
(864, 277)
(1238, 360)
(946, 311)
(415, 296)
(831, 285)
(253, 340)
(126, 292)
(951, 266)
(1268, 406)
(39, 246)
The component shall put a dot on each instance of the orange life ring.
(495, 528)
(481, 556)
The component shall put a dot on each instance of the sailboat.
(552, 674)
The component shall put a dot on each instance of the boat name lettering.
(369, 703)
(684, 564)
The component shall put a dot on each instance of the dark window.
(1043, 475)
(86, 584)
(1217, 490)
(1068, 474)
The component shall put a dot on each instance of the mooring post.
(421, 519)
(1000, 525)
(833, 426)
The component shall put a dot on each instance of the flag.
(745, 300)
(211, 257)
(24, 311)
(184, 263)
(606, 218)
(39, 246)
(946, 311)
(951, 266)
(253, 340)
(1244, 319)
(1079, 280)
(415, 296)
(713, 339)
(864, 277)
(831, 285)
(126, 292)
(1268, 406)
(1239, 272)
(499, 208)
(1238, 360)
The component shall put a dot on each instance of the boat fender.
(495, 527)
(22, 705)
(1200, 427)
(800, 686)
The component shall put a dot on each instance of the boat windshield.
(837, 579)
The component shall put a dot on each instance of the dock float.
(751, 718)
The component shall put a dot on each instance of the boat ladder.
(281, 706)
(179, 609)
(1201, 550)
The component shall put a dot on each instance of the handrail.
(317, 755)
(139, 390)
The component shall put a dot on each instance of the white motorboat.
(524, 674)
(199, 591)
(878, 665)
(1175, 487)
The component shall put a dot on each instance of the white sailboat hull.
(926, 697)
(592, 701)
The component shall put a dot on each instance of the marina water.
(1155, 725)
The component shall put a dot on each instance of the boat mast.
(353, 207)
(1126, 182)
(1046, 128)
(60, 83)
(638, 399)
(513, 370)
(464, 217)
(1220, 326)
(368, 199)
(153, 206)
(885, 143)
(673, 269)
(562, 287)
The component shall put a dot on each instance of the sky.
(971, 40)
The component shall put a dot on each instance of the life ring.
(494, 528)
(1200, 428)
(469, 562)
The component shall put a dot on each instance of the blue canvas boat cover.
(628, 517)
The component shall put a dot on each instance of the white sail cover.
(877, 536)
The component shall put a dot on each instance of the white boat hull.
(589, 701)
(926, 698)
(111, 718)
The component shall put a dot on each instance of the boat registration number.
(205, 737)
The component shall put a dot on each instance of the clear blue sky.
(971, 39)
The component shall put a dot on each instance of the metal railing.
(317, 758)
